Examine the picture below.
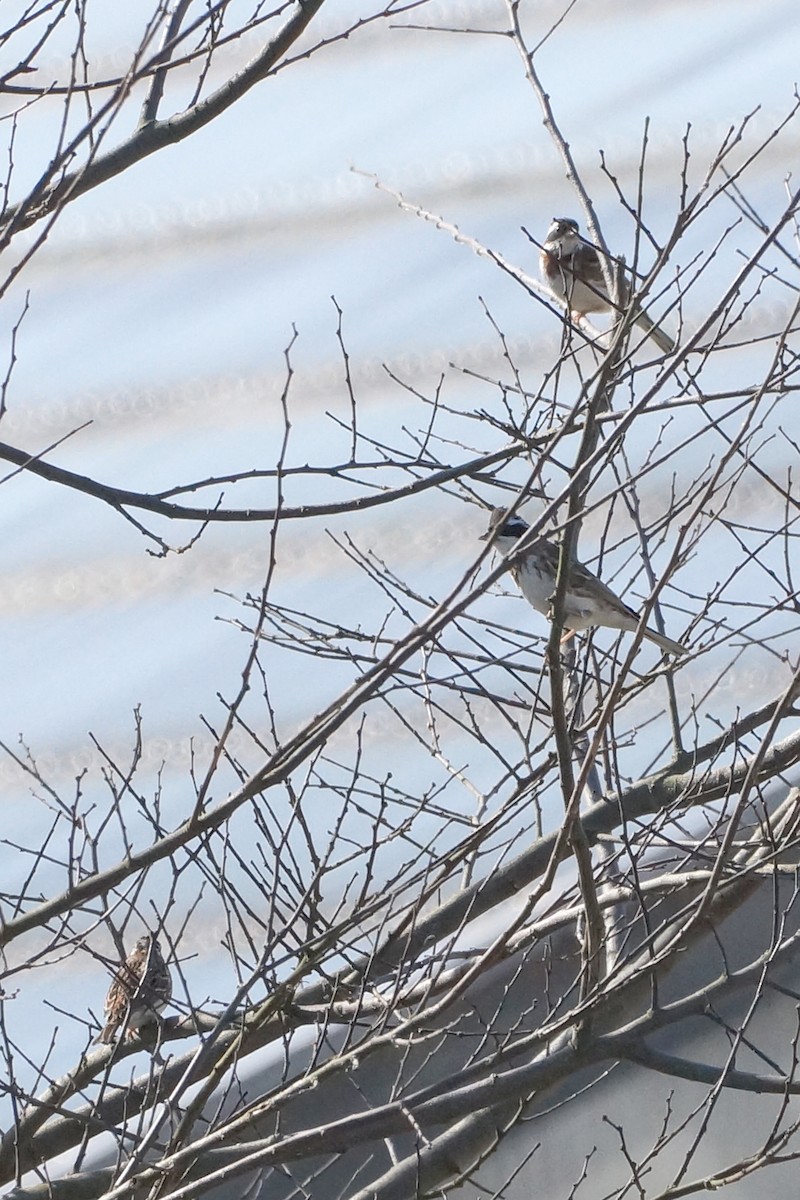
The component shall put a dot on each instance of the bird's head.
(563, 233)
(504, 530)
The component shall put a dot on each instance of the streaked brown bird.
(140, 989)
(588, 602)
(570, 266)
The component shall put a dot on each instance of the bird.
(571, 269)
(140, 989)
(588, 602)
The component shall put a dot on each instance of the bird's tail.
(664, 342)
(666, 644)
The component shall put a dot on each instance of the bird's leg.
(568, 633)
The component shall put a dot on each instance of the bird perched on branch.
(140, 989)
(572, 271)
(587, 600)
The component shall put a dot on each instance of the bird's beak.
(485, 537)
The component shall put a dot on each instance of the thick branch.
(665, 791)
(121, 498)
(155, 135)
